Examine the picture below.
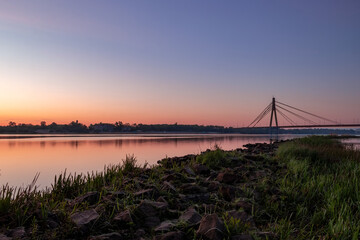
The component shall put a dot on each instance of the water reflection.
(22, 158)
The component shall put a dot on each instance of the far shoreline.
(129, 134)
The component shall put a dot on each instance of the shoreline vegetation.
(76, 127)
(306, 188)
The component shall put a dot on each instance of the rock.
(174, 177)
(213, 186)
(145, 209)
(201, 169)
(18, 232)
(228, 192)
(52, 224)
(227, 177)
(242, 216)
(242, 237)
(151, 222)
(168, 187)
(190, 216)
(199, 198)
(147, 193)
(211, 227)
(4, 237)
(188, 171)
(190, 188)
(82, 219)
(140, 232)
(171, 236)
(165, 226)
(170, 177)
(147, 212)
(90, 197)
(161, 199)
(123, 217)
(107, 236)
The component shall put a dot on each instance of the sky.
(190, 62)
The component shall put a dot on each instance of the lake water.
(353, 143)
(21, 158)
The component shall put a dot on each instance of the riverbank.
(267, 191)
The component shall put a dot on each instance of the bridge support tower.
(274, 116)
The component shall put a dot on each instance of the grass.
(213, 159)
(320, 192)
(20, 207)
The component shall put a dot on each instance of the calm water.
(50, 155)
(352, 142)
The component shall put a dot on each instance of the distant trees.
(12, 124)
(76, 127)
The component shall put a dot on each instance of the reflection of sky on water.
(22, 158)
(352, 143)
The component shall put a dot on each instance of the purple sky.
(205, 62)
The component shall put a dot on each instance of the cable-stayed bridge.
(292, 116)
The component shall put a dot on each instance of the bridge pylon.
(273, 116)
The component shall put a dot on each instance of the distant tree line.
(120, 127)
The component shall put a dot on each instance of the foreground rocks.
(178, 199)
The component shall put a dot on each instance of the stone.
(4, 237)
(226, 177)
(189, 188)
(52, 224)
(196, 198)
(211, 227)
(151, 222)
(107, 236)
(228, 192)
(147, 193)
(171, 236)
(165, 226)
(167, 186)
(18, 232)
(201, 169)
(90, 197)
(191, 217)
(82, 219)
(140, 232)
(242, 237)
(147, 212)
(213, 186)
(188, 171)
(162, 199)
(123, 217)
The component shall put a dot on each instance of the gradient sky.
(203, 62)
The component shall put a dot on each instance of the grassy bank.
(320, 192)
(301, 189)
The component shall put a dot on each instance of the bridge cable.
(265, 113)
(308, 113)
(289, 120)
(299, 116)
(260, 115)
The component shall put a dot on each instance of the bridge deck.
(317, 126)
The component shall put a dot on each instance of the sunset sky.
(191, 62)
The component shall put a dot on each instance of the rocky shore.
(214, 195)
